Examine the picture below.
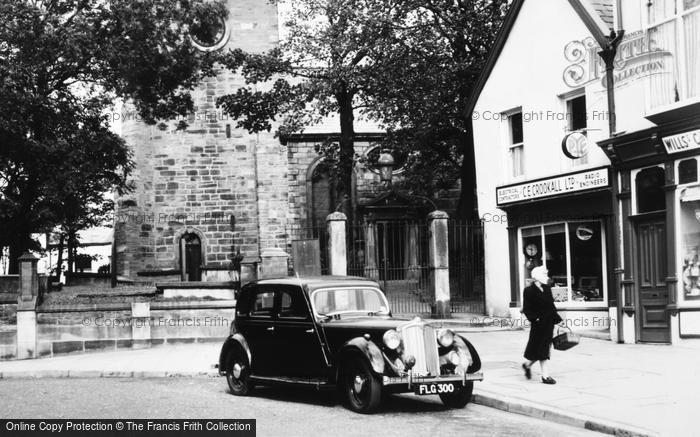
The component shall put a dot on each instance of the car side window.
(263, 304)
(293, 305)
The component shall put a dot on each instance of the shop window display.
(690, 242)
(555, 260)
(573, 254)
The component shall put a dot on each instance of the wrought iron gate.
(393, 253)
(466, 252)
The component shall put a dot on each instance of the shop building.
(604, 199)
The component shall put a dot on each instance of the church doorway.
(190, 257)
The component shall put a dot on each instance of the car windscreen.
(340, 300)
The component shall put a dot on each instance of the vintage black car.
(338, 332)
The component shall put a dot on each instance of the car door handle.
(309, 331)
(271, 328)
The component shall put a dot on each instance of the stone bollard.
(26, 306)
(337, 254)
(140, 324)
(274, 263)
(438, 261)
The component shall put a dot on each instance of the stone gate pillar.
(274, 263)
(337, 253)
(438, 262)
(26, 306)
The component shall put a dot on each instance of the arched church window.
(321, 195)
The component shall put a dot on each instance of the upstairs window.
(515, 143)
(576, 113)
(673, 27)
(577, 120)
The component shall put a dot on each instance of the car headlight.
(391, 339)
(446, 337)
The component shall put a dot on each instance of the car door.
(259, 331)
(296, 334)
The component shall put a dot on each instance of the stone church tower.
(204, 193)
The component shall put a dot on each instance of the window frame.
(507, 117)
(566, 100)
(290, 290)
(254, 298)
(682, 299)
(679, 53)
(570, 303)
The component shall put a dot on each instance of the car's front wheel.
(460, 397)
(361, 388)
(238, 373)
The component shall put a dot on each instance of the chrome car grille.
(420, 341)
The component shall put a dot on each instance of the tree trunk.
(347, 152)
(71, 254)
(59, 262)
(467, 194)
(17, 249)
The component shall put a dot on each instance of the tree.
(62, 65)
(422, 91)
(320, 68)
(408, 64)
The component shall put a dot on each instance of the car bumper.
(407, 383)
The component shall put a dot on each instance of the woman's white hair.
(539, 274)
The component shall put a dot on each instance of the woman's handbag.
(565, 340)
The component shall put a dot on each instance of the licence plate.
(435, 388)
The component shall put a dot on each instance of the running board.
(318, 383)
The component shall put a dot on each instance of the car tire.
(238, 378)
(460, 398)
(361, 388)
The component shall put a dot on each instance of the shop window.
(532, 250)
(586, 261)
(516, 145)
(688, 171)
(650, 194)
(573, 255)
(690, 242)
(555, 260)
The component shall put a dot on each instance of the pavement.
(602, 386)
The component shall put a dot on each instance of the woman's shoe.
(548, 380)
(528, 373)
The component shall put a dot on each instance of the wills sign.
(682, 142)
(639, 55)
(566, 184)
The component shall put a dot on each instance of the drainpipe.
(608, 54)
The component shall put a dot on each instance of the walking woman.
(538, 307)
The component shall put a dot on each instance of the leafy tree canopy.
(62, 65)
(409, 64)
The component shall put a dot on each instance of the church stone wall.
(196, 180)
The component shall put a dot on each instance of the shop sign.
(639, 55)
(566, 184)
(682, 142)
